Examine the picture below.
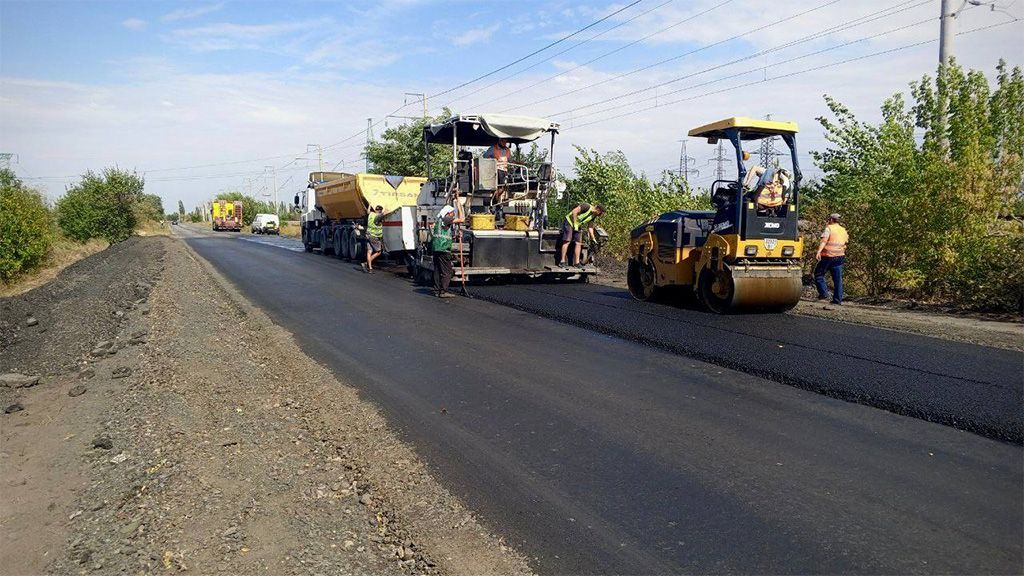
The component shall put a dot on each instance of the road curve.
(596, 454)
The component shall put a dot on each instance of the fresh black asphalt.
(597, 454)
(970, 387)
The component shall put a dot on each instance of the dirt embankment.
(176, 427)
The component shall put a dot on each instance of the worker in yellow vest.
(582, 216)
(831, 256)
(374, 237)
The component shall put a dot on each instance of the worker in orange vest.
(831, 256)
(501, 151)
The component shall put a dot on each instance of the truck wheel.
(306, 245)
(344, 244)
(325, 243)
(338, 253)
(357, 248)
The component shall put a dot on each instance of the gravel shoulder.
(204, 440)
(1004, 332)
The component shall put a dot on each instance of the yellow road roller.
(745, 254)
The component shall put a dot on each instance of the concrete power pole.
(369, 140)
(273, 177)
(947, 30)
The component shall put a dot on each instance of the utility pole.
(423, 99)
(684, 163)
(369, 140)
(273, 176)
(319, 154)
(947, 30)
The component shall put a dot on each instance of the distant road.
(599, 454)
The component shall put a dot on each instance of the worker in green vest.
(374, 237)
(579, 217)
(441, 247)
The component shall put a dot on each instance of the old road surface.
(600, 453)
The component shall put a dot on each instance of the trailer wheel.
(337, 245)
(346, 252)
(357, 250)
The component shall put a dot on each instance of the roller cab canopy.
(749, 129)
(486, 129)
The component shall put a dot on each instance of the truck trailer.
(334, 207)
(226, 215)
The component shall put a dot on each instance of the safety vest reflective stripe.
(582, 219)
(373, 228)
(835, 245)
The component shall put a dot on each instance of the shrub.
(25, 234)
(102, 206)
(629, 199)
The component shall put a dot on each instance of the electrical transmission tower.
(684, 163)
(720, 159)
(767, 151)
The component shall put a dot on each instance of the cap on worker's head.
(746, 155)
(834, 216)
(448, 219)
(379, 208)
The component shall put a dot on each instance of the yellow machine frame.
(735, 258)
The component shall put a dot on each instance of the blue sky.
(208, 96)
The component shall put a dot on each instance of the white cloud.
(189, 13)
(230, 36)
(475, 35)
(135, 24)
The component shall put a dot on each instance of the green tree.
(630, 198)
(928, 194)
(400, 151)
(181, 208)
(25, 234)
(102, 206)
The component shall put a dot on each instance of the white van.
(266, 224)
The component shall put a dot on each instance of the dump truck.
(335, 205)
(226, 215)
(507, 232)
(745, 254)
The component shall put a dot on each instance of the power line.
(555, 55)
(791, 74)
(736, 74)
(838, 28)
(677, 57)
(610, 52)
(535, 52)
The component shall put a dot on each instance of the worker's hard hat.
(746, 155)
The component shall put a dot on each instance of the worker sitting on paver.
(441, 246)
(580, 216)
(374, 237)
(831, 256)
(502, 153)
